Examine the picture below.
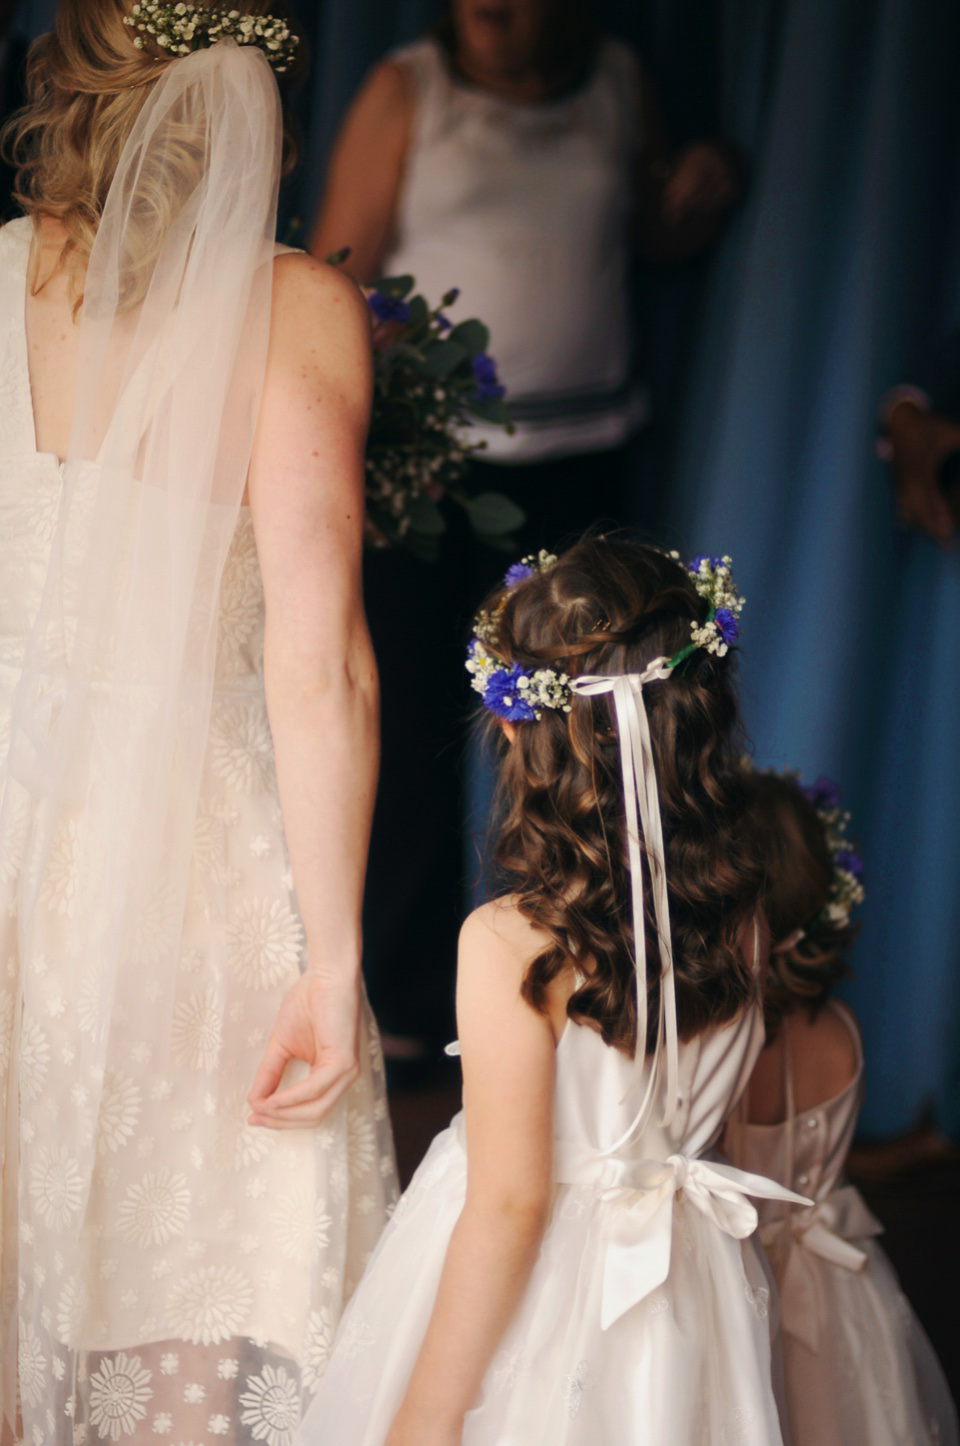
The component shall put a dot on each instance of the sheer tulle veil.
(111, 717)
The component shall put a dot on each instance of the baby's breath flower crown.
(520, 695)
(180, 29)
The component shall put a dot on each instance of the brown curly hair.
(86, 85)
(612, 606)
(798, 872)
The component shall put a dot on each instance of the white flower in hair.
(183, 28)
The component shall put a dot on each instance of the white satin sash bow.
(638, 1233)
(825, 1230)
(640, 788)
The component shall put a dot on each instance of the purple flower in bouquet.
(504, 697)
(389, 308)
(823, 793)
(850, 860)
(488, 388)
(727, 625)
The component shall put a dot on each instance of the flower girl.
(566, 1266)
(858, 1365)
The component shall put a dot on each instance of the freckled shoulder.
(321, 321)
(301, 281)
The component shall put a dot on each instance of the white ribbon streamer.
(640, 789)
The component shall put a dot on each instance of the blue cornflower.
(503, 697)
(850, 860)
(727, 625)
(518, 572)
(488, 389)
(823, 792)
(388, 308)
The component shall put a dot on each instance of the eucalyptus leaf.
(419, 313)
(472, 335)
(426, 518)
(494, 515)
(396, 286)
(440, 359)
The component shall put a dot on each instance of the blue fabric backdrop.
(843, 266)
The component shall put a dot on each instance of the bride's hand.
(318, 1022)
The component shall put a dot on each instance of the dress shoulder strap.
(429, 72)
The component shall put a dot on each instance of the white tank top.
(526, 208)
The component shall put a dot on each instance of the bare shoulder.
(826, 1055)
(499, 931)
(497, 946)
(307, 290)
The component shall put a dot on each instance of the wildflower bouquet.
(431, 380)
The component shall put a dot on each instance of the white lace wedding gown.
(646, 1319)
(215, 1257)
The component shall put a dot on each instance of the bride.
(195, 1150)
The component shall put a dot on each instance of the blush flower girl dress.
(858, 1366)
(645, 1319)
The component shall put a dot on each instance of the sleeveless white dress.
(858, 1366)
(645, 1318)
(216, 1257)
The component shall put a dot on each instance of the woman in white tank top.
(519, 156)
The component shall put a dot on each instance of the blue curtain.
(843, 268)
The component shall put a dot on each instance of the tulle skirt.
(874, 1377)
(689, 1365)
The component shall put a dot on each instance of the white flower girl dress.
(859, 1367)
(645, 1318)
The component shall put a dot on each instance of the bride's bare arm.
(306, 494)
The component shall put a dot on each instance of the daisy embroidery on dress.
(119, 1394)
(320, 1330)
(155, 1209)
(210, 1304)
(264, 942)
(31, 1364)
(56, 1186)
(270, 1406)
(197, 1032)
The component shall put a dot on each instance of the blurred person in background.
(518, 154)
(921, 422)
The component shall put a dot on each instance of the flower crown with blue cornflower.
(846, 885)
(519, 695)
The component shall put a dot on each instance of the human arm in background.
(307, 498)
(683, 197)
(366, 167)
(921, 424)
(508, 1056)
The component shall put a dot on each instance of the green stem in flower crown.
(685, 653)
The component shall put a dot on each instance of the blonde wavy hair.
(86, 85)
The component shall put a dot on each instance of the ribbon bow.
(637, 1237)
(640, 788)
(825, 1230)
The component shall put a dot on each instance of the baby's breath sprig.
(713, 579)
(180, 29)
